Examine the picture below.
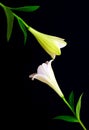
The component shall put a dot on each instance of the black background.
(31, 103)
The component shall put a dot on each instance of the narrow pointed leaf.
(71, 99)
(10, 20)
(78, 107)
(26, 8)
(66, 118)
(23, 28)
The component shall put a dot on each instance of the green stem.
(80, 122)
(68, 105)
(82, 125)
(21, 20)
(2, 5)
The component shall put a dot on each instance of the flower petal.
(42, 69)
(41, 78)
(46, 75)
(51, 44)
(32, 76)
(59, 41)
(51, 70)
(47, 81)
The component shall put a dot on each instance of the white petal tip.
(32, 76)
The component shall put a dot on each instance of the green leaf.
(66, 118)
(26, 8)
(10, 20)
(78, 106)
(71, 99)
(23, 28)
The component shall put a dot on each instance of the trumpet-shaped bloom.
(46, 75)
(51, 44)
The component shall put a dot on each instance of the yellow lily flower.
(51, 44)
(46, 75)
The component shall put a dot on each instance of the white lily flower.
(46, 75)
(51, 44)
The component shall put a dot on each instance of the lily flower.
(51, 44)
(46, 75)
